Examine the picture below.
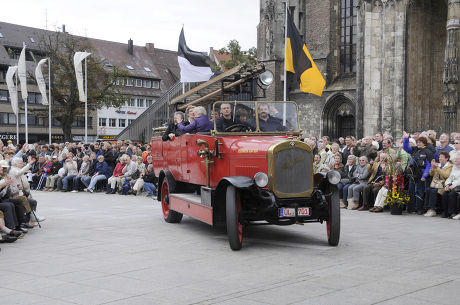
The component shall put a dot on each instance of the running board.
(190, 204)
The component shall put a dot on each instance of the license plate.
(290, 212)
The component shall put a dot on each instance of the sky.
(207, 23)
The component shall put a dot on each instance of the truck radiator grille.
(292, 171)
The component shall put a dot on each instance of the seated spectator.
(130, 168)
(7, 235)
(53, 173)
(330, 157)
(360, 176)
(378, 171)
(443, 145)
(449, 197)
(322, 151)
(440, 172)
(317, 165)
(173, 131)
(346, 180)
(71, 169)
(83, 172)
(150, 181)
(456, 150)
(101, 172)
(201, 123)
(116, 180)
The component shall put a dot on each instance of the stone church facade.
(389, 65)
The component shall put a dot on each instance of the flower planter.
(396, 210)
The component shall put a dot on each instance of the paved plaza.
(112, 249)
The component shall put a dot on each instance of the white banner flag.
(77, 59)
(22, 73)
(41, 81)
(12, 88)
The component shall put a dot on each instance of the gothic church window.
(348, 19)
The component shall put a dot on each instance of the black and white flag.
(193, 65)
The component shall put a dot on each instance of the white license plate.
(290, 212)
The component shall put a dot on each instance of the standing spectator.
(346, 151)
(420, 164)
(379, 140)
(387, 148)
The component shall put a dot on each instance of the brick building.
(389, 65)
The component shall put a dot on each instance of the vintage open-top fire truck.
(250, 173)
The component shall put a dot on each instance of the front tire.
(168, 215)
(333, 222)
(234, 227)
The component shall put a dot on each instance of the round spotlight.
(266, 78)
(261, 179)
(333, 177)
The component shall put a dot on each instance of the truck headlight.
(333, 177)
(261, 179)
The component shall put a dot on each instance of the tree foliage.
(238, 56)
(102, 91)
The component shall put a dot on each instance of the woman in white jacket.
(72, 171)
(449, 197)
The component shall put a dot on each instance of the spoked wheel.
(333, 223)
(234, 227)
(168, 215)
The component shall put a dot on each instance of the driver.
(266, 121)
(226, 119)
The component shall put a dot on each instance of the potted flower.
(396, 198)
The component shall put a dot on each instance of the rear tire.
(168, 215)
(234, 227)
(333, 223)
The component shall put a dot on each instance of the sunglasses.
(456, 142)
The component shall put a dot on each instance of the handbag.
(437, 182)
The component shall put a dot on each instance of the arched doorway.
(339, 118)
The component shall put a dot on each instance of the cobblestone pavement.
(112, 249)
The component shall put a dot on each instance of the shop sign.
(7, 137)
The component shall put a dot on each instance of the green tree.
(238, 56)
(102, 90)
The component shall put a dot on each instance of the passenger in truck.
(201, 123)
(226, 120)
(172, 131)
(266, 121)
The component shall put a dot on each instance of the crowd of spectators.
(122, 168)
(430, 167)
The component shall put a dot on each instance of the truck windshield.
(280, 117)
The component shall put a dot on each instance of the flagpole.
(17, 113)
(25, 121)
(285, 50)
(49, 99)
(86, 101)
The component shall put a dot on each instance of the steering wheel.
(238, 128)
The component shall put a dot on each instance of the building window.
(102, 122)
(3, 118)
(3, 96)
(122, 122)
(149, 103)
(56, 123)
(80, 122)
(130, 121)
(112, 122)
(131, 102)
(129, 67)
(129, 82)
(147, 69)
(138, 82)
(348, 36)
(140, 102)
(155, 84)
(147, 83)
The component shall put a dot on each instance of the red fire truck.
(255, 171)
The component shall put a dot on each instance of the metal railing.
(141, 130)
